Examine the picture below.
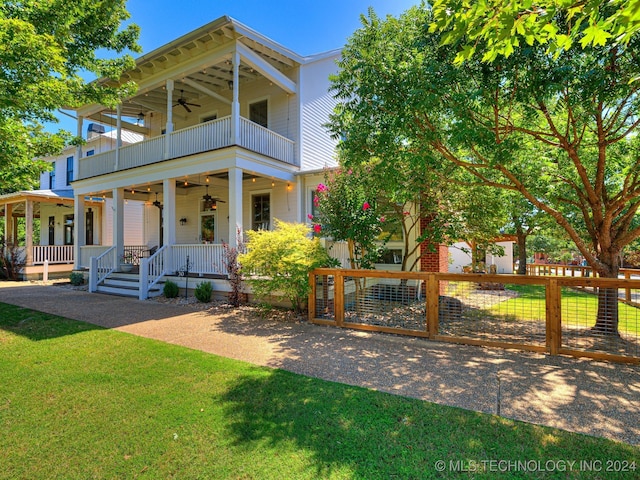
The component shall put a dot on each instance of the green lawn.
(578, 308)
(77, 401)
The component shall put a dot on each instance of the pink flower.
(366, 206)
(322, 187)
(309, 216)
(405, 213)
(317, 228)
(382, 219)
(349, 172)
(316, 200)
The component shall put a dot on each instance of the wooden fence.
(536, 313)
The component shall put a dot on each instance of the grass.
(78, 401)
(578, 308)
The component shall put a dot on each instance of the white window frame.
(266, 98)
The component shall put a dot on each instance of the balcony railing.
(190, 141)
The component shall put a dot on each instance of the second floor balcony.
(201, 138)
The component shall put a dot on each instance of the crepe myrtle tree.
(348, 210)
(560, 129)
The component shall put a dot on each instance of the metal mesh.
(601, 320)
(385, 302)
(324, 297)
(493, 311)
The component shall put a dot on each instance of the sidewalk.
(579, 395)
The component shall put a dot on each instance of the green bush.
(170, 289)
(203, 292)
(76, 278)
(280, 261)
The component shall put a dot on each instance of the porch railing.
(52, 254)
(101, 267)
(152, 269)
(203, 259)
(189, 141)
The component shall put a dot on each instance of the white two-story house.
(233, 138)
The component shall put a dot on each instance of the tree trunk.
(607, 318)
(522, 253)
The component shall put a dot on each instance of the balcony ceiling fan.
(184, 103)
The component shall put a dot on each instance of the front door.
(207, 227)
(52, 230)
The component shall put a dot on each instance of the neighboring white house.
(460, 257)
(50, 209)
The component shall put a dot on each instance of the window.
(260, 212)
(69, 170)
(52, 230)
(259, 113)
(68, 229)
(90, 153)
(207, 227)
(52, 178)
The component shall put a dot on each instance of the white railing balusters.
(101, 267)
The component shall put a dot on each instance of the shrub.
(203, 292)
(234, 273)
(76, 279)
(280, 261)
(170, 289)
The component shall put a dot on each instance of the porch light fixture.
(140, 121)
(273, 184)
(230, 84)
(253, 179)
(183, 221)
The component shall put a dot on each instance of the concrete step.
(126, 285)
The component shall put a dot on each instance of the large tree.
(47, 48)
(567, 122)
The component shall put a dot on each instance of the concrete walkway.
(595, 398)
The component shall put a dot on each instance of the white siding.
(318, 148)
(133, 223)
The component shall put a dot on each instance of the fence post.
(553, 320)
(143, 281)
(433, 305)
(311, 302)
(93, 275)
(338, 297)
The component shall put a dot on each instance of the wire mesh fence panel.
(325, 297)
(493, 311)
(395, 303)
(600, 320)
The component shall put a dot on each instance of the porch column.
(28, 227)
(118, 222)
(76, 159)
(79, 237)
(235, 104)
(235, 205)
(8, 225)
(169, 126)
(169, 211)
(118, 135)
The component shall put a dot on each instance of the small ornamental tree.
(232, 266)
(348, 211)
(280, 261)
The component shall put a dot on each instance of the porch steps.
(126, 285)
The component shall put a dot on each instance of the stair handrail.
(101, 267)
(152, 269)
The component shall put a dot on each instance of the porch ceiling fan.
(184, 103)
(210, 203)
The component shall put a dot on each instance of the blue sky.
(306, 27)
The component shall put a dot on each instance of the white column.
(169, 125)
(235, 103)
(118, 135)
(79, 237)
(8, 225)
(28, 241)
(235, 205)
(76, 160)
(118, 222)
(169, 211)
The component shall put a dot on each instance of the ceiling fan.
(184, 103)
(210, 203)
